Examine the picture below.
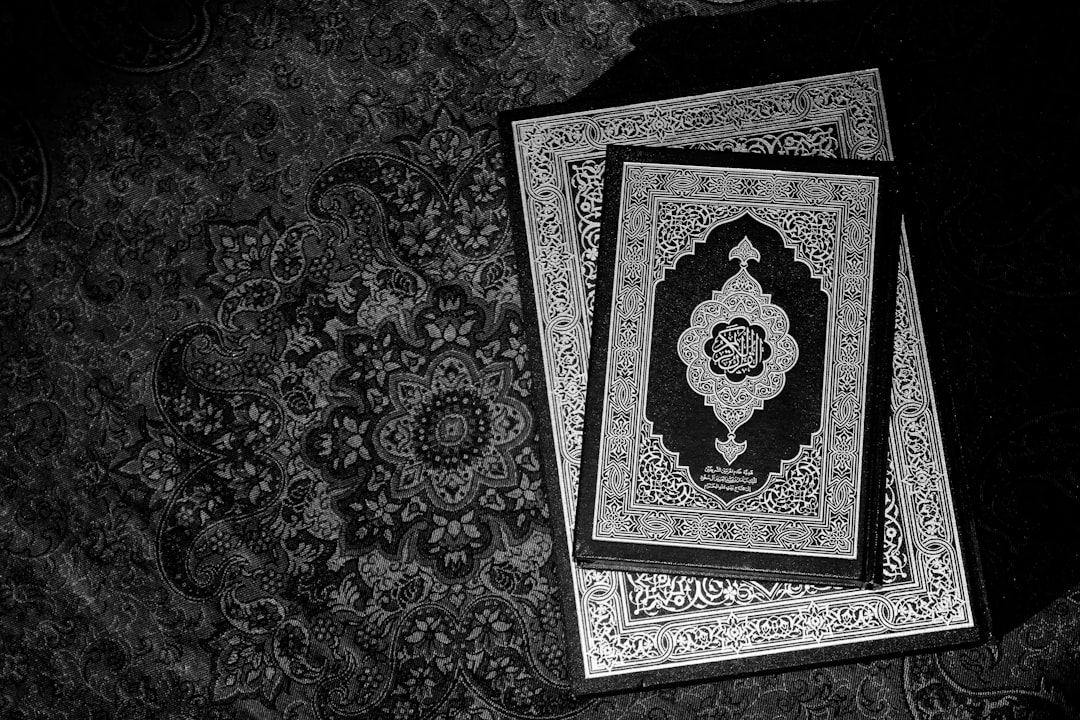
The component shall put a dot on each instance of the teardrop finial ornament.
(744, 252)
(729, 449)
(737, 350)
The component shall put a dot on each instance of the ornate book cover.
(739, 385)
(634, 629)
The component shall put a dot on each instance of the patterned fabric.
(267, 442)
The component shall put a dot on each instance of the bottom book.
(629, 630)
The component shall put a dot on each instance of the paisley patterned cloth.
(266, 420)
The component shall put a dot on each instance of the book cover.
(738, 393)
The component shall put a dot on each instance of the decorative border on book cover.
(633, 623)
(810, 507)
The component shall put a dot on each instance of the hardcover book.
(636, 629)
(739, 384)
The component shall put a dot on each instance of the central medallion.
(737, 350)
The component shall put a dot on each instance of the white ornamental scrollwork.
(737, 350)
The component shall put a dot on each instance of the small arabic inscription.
(728, 479)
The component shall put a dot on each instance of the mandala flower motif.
(452, 430)
(454, 543)
(341, 444)
(491, 628)
(160, 465)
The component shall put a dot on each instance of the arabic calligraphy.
(737, 349)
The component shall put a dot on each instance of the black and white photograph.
(539, 360)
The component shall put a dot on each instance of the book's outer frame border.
(580, 685)
(864, 569)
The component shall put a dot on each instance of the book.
(632, 629)
(738, 396)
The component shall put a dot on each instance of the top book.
(736, 421)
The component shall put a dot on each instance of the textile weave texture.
(267, 439)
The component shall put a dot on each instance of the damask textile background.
(266, 415)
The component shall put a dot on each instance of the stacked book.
(744, 450)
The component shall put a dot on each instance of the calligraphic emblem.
(737, 350)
